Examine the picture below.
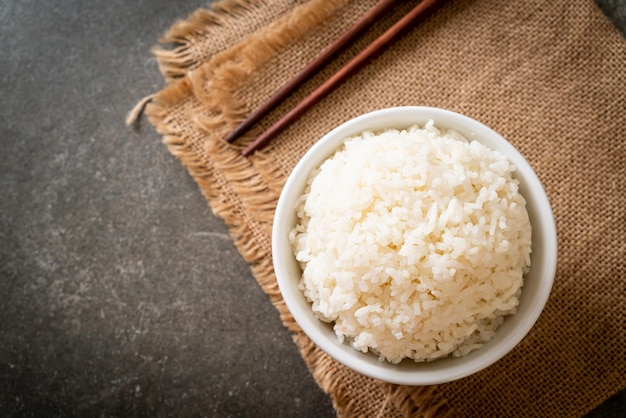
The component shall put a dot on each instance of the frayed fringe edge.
(238, 173)
(201, 18)
(407, 401)
(183, 34)
(133, 117)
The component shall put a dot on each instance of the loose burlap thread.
(549, 76)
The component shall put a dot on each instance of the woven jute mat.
(548, 75)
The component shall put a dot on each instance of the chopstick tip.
(231, 137)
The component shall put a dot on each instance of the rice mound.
(413, 243)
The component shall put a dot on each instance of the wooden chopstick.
(328, 54)
(352, 67)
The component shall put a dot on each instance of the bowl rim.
(386, 371)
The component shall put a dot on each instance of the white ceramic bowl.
(537, 285)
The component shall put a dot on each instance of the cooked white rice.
(413, 243)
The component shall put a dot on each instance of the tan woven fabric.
(549, 75)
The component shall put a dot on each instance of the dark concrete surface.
(120, 293)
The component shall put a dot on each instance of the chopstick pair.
(334, 81)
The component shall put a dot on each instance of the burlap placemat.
(550, 76)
